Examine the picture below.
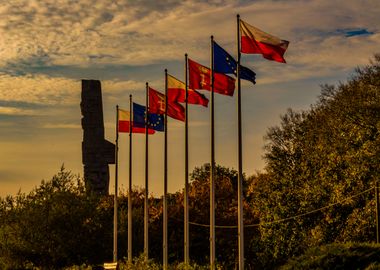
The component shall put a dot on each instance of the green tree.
(56, 225)
(319, 157)
(226, 198)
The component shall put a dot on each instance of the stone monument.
(97, 152)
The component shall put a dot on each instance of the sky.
(48, 46)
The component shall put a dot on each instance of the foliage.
(139, 263)
(226, 202)
(199, 214)
(53, 226)
(338, 256)
(317, 158)
(58, 224)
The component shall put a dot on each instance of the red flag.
(177, 92)
(123, 125)
(157, 105)
(255, 41)
(200, 78)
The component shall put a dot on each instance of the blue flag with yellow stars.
(225, 63)
(155, 121)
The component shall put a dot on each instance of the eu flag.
(155, 121)
(225, 63)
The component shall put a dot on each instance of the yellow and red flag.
(256, 41)
(177, 92)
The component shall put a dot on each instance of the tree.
(320, 157)
(56, 225)
(226, 198)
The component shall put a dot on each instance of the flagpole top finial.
(166, 70)
(130, 95)
(146, 83)
(185, 54)
(238, 16)
(212, 36)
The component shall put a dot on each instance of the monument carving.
(97, 152)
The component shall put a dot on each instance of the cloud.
(335, 51)
(119, 86)
(39, 89)
(5, 125)
(50, 33)
(62, 126)
(17, 111)
(51, 91)
(65, 32)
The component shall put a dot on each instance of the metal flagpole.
(212, 166)
(146, 199)
(377, 212)
(186, 191)
(116, 187)
(165, 206)
(130, 184)
(240, 157)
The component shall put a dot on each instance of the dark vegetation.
(325, 158)
(338, 256)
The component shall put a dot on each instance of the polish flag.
(255, 41)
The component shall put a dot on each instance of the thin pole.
(240, 157)
(212, 165)
(116, 187)
(146, 197)
(130, 184)
(377, 213)
(186, 193)
(165, 206)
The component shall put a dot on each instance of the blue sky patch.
(354, 32)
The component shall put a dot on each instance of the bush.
(338, 256)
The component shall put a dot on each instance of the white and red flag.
(255, 41)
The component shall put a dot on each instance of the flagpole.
(240, 157)
(116, 187)
(146, 197)
(165, 210)
(130, 184)
(377, 212)
(186, 191)
(212, 165)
